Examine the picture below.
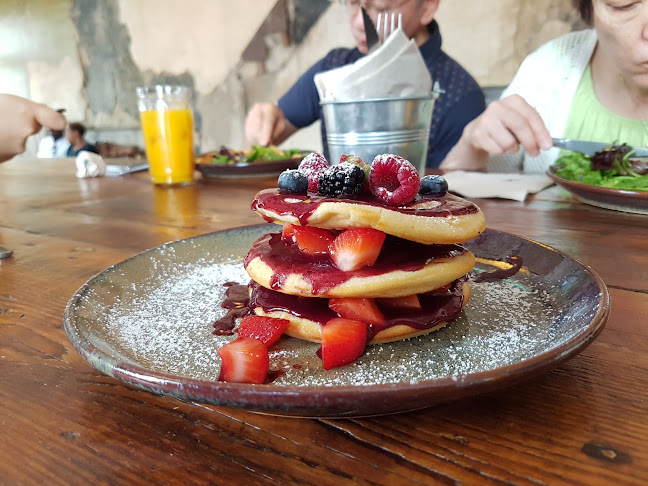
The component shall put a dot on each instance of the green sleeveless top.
(590, 120)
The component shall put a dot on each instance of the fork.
(386, 24)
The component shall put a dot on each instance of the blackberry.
(340, 180)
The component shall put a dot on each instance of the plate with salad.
(611, 179)
(256, 161)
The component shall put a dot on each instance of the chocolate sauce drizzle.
(500, 274)
(236, 303)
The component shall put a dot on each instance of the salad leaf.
(255, 154)
(611, 168)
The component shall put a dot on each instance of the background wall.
(89, 55)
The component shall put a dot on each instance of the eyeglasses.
(353, 7)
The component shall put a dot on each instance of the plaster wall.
(88, 55)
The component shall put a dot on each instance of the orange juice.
(168, 135)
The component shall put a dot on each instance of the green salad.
(613, 167)
(257, 153)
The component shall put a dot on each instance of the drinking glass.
(167, 124)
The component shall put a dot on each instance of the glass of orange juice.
(167, 124)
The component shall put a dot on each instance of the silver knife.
(370, 31)
(590, 148)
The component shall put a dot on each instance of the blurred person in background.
(462, 100)
(588, 85)
(21, 118)
(75, 135)
(54, 144)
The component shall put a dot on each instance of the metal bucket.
(367, 128)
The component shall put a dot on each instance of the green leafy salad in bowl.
(258, 153)
(614, 168)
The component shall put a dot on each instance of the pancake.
(403, 268)
(429, 220)
(307, 315)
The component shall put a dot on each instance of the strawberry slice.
(409, 302)
(343, 341)
(359, 309)
(287, 233)
(244, 360)
(268, 330)
(356, 248)
(312, 240)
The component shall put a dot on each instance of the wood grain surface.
(63, 422)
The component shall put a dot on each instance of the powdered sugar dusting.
(157, 309)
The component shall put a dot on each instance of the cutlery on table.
(590, 148)
(386, 24)
(370, 31)
(5, 252)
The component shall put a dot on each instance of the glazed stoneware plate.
(148, 321)
(261, 168)
(604, 197)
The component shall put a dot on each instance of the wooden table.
(62, 422)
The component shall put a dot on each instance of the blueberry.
(433, 184)
(293, 180)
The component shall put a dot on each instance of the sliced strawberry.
(287, 233)
(343, 341)
(409, 302)
(358, 309)
(244, 360)
(356, 248)
(268, 330)
(312, 240)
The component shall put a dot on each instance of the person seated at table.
(587, 85)
(462, 101)
(54, 143)
(75, 133)
(20, 118)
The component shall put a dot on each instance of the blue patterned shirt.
(461, 102)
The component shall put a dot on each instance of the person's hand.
(267, 125)
(506, 125)
(20, 118)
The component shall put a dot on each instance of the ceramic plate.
(249, 169)
(148, 322)
(604, 197)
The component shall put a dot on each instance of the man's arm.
(266, 124)
(272, 123)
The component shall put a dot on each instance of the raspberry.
(394, 179)
(342, 180)
(313, 166)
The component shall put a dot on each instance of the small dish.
(260, 168)
(603, 197)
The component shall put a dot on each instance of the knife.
(590, 148)
(370, 31)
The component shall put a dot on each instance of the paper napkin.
(513, 186)
(395, 69)
(89, 164)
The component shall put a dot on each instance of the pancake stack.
(377, 246)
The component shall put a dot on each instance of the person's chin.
(362, 47)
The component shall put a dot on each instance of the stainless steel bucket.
(367, 128)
